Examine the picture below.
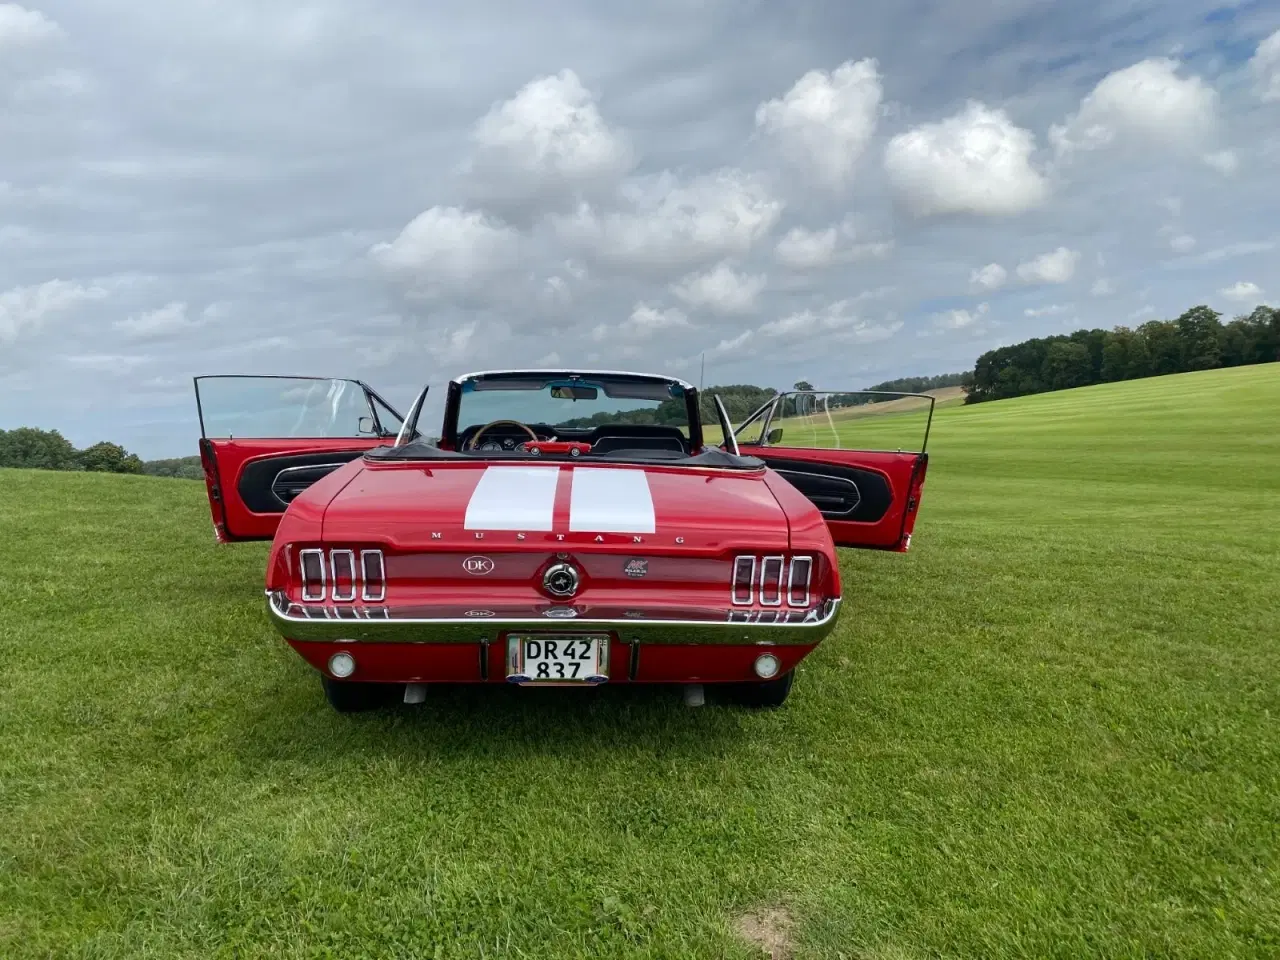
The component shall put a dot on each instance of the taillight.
(339, 578)
(798, 581)
(313, 581)
(774, 577)
(375, 581)
(771, 581)
(343, 564)
(744, 580)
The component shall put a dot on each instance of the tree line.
(1197, 340)
(37, 449)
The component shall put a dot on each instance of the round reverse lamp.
(343, 665)
(766, 666)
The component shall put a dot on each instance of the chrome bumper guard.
(735, 630)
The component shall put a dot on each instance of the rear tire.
(353, 696)
(764, 694)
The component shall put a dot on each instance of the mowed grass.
(1051, 730)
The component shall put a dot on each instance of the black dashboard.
(505, 437)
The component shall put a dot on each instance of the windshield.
(264, 406)
(579, 403)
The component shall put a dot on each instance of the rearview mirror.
(574, 393)
(773, 436)
(365, 425)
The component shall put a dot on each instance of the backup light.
(343, 665)
(766, 666)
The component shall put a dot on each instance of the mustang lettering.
(681, 554)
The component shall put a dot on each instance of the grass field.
(1051, 730)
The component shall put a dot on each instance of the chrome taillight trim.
(350, 557)
(375, 588)
(765, 563)
(791, 581)
(734, 596)
(307, 595)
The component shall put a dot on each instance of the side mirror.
(773, 436)
(366, 426)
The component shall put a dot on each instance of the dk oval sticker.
(478, 565)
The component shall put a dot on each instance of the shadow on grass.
(290, 720)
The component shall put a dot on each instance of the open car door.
(264, 439)
(858, 455)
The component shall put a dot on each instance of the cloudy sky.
(402, 192)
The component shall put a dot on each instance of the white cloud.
(721, 290)
(1182, 243)
(20, 27)
(803, 249)
(1056, 266)
(171, 318)
(834, 325)
(107, 362)
(25, 309)
(673, 225)
(960, 319)
(1147, 103)
(1233, 250)
(446, 247)
(1242, 291)
(990, 277)
(645, 323)
(826, 120)
(1102, 287)
(1050, 310)
(1265, 66)
(976, 162)
(548, 138)
(1224, 161)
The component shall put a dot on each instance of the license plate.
(557, 658)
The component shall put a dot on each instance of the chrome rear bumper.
(293, 623)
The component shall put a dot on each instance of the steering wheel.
(475, 437)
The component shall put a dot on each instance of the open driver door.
(265, 439)
(859, 456)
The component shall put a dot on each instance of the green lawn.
(1052, 729)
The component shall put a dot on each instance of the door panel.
(870, 498)
(248, 482)
(267, 439)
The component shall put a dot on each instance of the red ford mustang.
(566, 528)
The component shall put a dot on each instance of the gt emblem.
(478, 565)
(561, 580)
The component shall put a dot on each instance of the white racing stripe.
(513, 498)
(607, 500)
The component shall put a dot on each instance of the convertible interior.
(618, 442)
(640, 440)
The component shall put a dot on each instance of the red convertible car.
(565, 527)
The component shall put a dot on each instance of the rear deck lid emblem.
(478, 566)
(561, 580)
(636, 567)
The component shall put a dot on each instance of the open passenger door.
(265, 439)
(858, 455)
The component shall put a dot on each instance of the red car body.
(417, 563)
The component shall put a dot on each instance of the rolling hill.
(1050, 730)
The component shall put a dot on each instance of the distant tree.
(1200, 333)
(37, 449)
(1196, 340)
(107, 457)
(803, 385)
(1066, 365)
(186, 468)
